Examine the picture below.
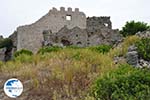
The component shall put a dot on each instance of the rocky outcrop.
(2, 54)
(132, 56)
(142, 63)
(144, 34)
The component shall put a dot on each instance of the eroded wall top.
(31, 36)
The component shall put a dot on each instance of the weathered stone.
(118, 59)
(132, 58)
(132, 48)
(143, 63)
(66, 28)
(99, 30)
(13, 38)
(94, 23)
(65, 37)
(30, 36)
(2, 54)
(114, 38)
(144, 34)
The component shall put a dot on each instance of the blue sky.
(20, 12)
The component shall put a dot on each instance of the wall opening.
(89, 35)
(65, 42)
(106, 24)
(92, 33)
(68, 17)
(79, 43)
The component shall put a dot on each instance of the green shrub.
(49, 49)
(133, 27)
(101, 48)
(24, 58)
(125, 83)
(23, 52)
(6, 43)
(143, 48)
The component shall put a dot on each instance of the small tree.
(6, 43)
(133, 27)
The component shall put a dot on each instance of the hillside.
(66, 73)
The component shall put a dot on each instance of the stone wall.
(2, 54)
(31, 36)
(61, 27)
(65, 37)
(94, 23)
(99, 30)
(96, 34)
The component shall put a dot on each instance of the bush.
(6, 43)
(101, 48)
(133, 27)
(125, 83)
(143, 48)
(49, 49)
(23, 52)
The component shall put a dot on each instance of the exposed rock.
(132, 58)
(144, 34)
(2, 54)
(143, 63)
(118, 59)
(132, 48)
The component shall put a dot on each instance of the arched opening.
(65, 42)
(79, 43)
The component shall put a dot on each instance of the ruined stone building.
(65, 27)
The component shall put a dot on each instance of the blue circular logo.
(13, 88)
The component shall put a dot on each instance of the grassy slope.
(63, 75)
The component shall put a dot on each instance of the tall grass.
(66, 74)
(121, 50)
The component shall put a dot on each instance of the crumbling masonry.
(61, 27)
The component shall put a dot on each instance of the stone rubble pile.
(132, 57)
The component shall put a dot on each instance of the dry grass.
(63, 75)
(123, 47)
